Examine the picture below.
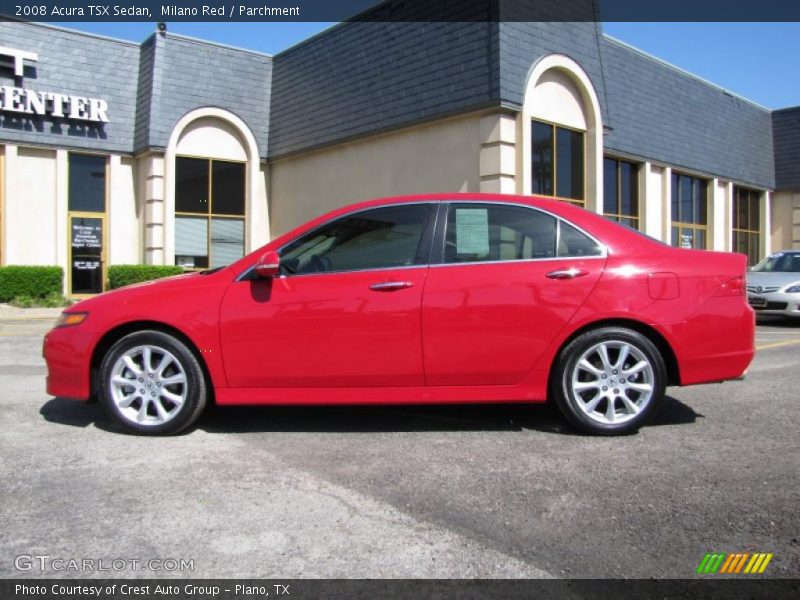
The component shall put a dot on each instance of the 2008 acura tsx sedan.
(450, 298)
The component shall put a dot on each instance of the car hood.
(135, 293)
(772, 279)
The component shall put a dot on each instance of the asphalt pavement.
(476, 491)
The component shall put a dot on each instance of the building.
(183, 151)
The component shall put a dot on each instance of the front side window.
(378, 238)
(689, 212)
(491, 233)
(621, 192)
(747, 223)
(558, 165)
(209, 212)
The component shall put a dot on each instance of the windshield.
(787, 262)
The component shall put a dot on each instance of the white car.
(773, 285)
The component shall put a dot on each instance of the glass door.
(86, 256)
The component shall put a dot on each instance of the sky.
(760, 61)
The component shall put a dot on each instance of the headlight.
(70, 319)
(793, 289)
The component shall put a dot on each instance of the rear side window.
(492, 232)
(378, 238)
(573, 243)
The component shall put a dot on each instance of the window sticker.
(472, 231)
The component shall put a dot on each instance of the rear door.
(509, 279)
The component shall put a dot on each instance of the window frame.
(438, 255)
(748, 232)
(554, 137)
(618, 216)
(683, 225)
(208, 216)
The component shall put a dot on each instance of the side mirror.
(269, 265)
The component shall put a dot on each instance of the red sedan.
(448, 298)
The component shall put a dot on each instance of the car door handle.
(571, 273)
(390, 286)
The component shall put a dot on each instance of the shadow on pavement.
(72, 412)
(781, 322)
(365, 419)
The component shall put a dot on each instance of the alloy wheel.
(612, 382)
(148, 385)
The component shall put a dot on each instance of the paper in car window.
(472, 231)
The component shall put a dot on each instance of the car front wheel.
(151, 383)
(609, 381)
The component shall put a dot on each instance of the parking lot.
(477, 491)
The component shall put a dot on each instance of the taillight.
(735, 286)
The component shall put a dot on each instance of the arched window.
(212, 171)
(562, 134)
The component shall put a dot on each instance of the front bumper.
(775, 303)
(68, 354)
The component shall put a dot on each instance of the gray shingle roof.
(786, 128)
(662, 113)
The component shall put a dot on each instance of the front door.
(509, 280)
(345, 312)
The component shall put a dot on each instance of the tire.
(164, 398)
(598, 395)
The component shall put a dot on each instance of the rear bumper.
(717, 343)
(67, 352)
(711, 369)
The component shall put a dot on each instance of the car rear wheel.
(609, 381)
(151, 383)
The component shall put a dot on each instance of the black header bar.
(744, 587)
(401, 10)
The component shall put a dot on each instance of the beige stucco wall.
(653, 217)
(30, 207)
(555, 98)
(124, 218)
(719, 212)
(785, 221)
(439, 157)
(209, 137)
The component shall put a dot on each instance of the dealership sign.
(52, 104)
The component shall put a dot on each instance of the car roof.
(615, 236)
(559, 207)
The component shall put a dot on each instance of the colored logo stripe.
(758, 563)
(729, 564)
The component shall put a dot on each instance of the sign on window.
(472, 231)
